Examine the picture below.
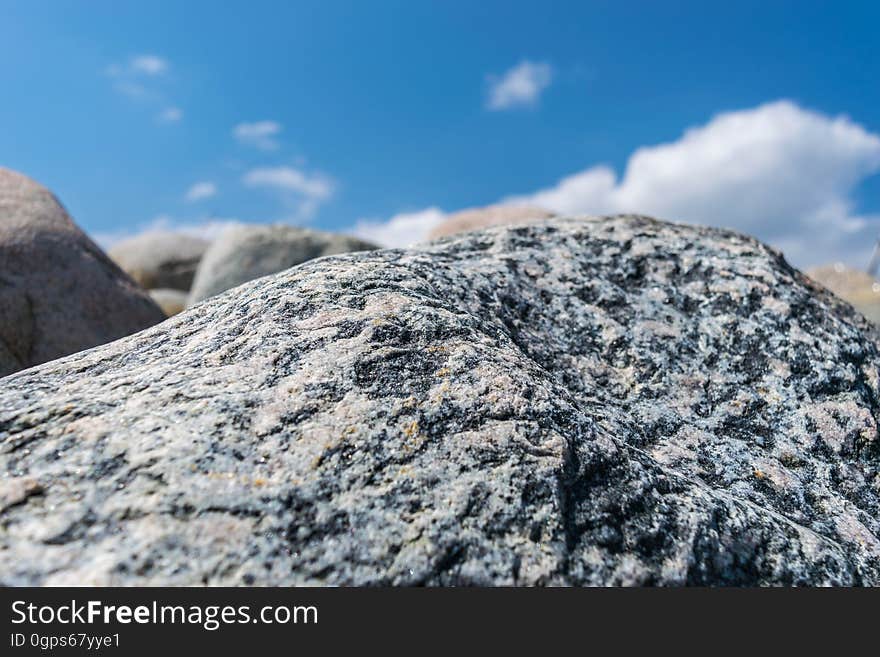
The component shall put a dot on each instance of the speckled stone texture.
(59, 293)
(583, 401)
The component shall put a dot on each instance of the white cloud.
(206, 228)
(587, 191)
(521, 86)
(261, 134)
(139, 66)
(401, 230)
(200, 191)
(150, 65)
(171, 115)
(133, 90)
(778, 171)
(140, 79)
(290, 179)
(305, 192)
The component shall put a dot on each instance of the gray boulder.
(244, 252)
(856, 287)
(160, 259)
(617, 401)
(171, 302)
(59, 293)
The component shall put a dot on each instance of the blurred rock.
(853, 286)
(493, 215)
(243, 253)
(160, 259)
(59, 293)
(588, 401)
(171, 302)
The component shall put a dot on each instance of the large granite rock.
(856, 287)
(59, 293)
(488, 217)
(242, 253)
(621, 401)
(160, 259)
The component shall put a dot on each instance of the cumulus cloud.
(400, 230)
(260, 134)
(587, 191)
(778, 171)
(304, 191)
(201, 191)
(521, 86)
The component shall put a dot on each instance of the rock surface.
(59, 293)
(488, 217)
(616, 401)
(160, 259)
(243, 253)
(172, 302)
(856, 287)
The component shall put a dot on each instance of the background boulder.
(59, 293)
(171, 302)
(160, 259)
(853, 286)
(245, 252)
(487, 217)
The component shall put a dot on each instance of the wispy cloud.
(305, 192)
(260, 134)
(141, 79)
(521, 86)
(150, 65)
(201, 191)
(171, 115)
(289, 179)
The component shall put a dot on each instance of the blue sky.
(381, 117)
